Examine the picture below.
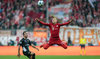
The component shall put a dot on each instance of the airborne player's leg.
(45, 45)
(63, 44)
(48, 44)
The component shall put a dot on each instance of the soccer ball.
(40, 3)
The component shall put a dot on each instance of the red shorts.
(55, 41)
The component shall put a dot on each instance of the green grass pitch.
(52, 57)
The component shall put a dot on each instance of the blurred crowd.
(20, 14)
(86, 13)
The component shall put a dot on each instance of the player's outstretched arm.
(41, 22)
(66, 22)
(18, 51)
(69, 21)
(34, 47)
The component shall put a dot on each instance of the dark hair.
(24, 32)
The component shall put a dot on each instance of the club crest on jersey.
(56, 25)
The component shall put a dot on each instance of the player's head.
(54, 20)
(25, 34)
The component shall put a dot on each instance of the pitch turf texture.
(52, 57)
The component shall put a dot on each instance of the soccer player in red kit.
(54, 30)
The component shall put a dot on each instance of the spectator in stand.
(85, 8)
(17, 39)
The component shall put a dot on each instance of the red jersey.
(54, 28)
